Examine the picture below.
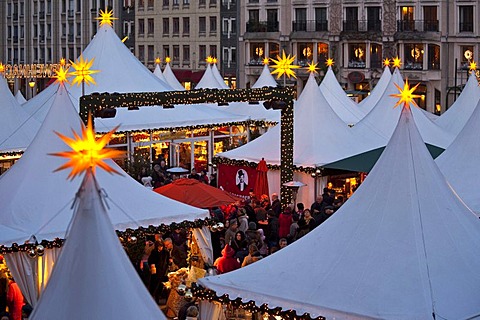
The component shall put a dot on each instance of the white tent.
(343, 106)
(454, 119)
(20, 98)
(120, 71)
(17, 128)
(35, 202)
(171, 79)
(159, 74)
(403, 246)
(460, 162)
(208, 80)
(371, 100)
(93, 278)
(219, 77)
(266, 79)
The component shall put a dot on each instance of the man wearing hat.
(241, 185)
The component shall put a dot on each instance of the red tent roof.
(196, 193)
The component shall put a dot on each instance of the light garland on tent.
(210, 295)
(96, 103)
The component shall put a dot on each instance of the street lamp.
(31, 84)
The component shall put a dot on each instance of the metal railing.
(362, 25)
(417, 25)
(262, 26)
(310, 25)
(466, 26)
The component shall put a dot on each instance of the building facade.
(435, 40)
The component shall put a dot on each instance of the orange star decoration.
(266, 61)
(329, 62)
(158, 60)
(86, 151)
(106, 17)
(82, 71)
(284, 66)
(61, 75)
(63, 62)
(397, 62)
(473, 66)
(386, 62)
(406, 95)
(312, 67)
(2, 67)
(214, 60)
(209, 59)
(168, 59)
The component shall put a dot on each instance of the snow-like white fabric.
(266, 79)
(219, 77)
(371, 100)
(171, 79)
(20, 98)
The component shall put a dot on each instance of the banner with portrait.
(238, 180)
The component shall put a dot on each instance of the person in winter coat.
(253, 256)
(284, 222)
(242, 219)
(14, 300)
(227, 262)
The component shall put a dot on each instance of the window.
(430, 21)
(202, 25)
(351, 19)
(166, 51)
(176, 53)
(213, 50)
(202, 49)
(141, 53)
(176, 26)
(175, 3)
(272, 20)
(202, 3)
(305, 53)
(166, 3)
(257, 52)
(229, 26)
(273, 50)
(186, 54)
(213, 25)
(186, 2)
(151, 53)
(375, 55)
(356, 55)
(407, 22)
(79, 29)
(150, 4)
(433, 57)
(166, 26)
(254, 16)
(322, 53)
(321, 22)
(151, 26)
(414, 56)
(466, 18)
(141, 27)
(300, 19)
(373, 19)
(186, 26)
(466, 56)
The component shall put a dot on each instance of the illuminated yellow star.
(158, 60)
(63, 62)
(86, 151)
(386, 62)
(406, 95)
(168, 59)
(397, 62)
(473, 66)
(214, 60)
(266, 61)
(82, 71)
(312, 67)
(329, 62)
(106, 17)
(209, 60)
(284, 65)
(61, 75)
(2, 67)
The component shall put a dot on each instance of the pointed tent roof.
(25, 186)
(402, 247)
(266, 79)
(171, 79)
(314, 144)
(17, 128)
(454, 119)
(460, 162)
(383, 119)
(20, 98)
(208, 80)
(105, 285)
(371, 100)
(346, 109)
(219, 77)
(159, 74)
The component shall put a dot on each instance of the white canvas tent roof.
(371, 100)
(266, 79)
(208, 80)
(454, 119)
(17, 128)
(171, 79)
(343, 106)
(252, 111)
(35, 202)
(403, 246)
(93, 277)
(20, 98)
(460, 162)
(159, 74)
(219, 77)
(315, 144)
